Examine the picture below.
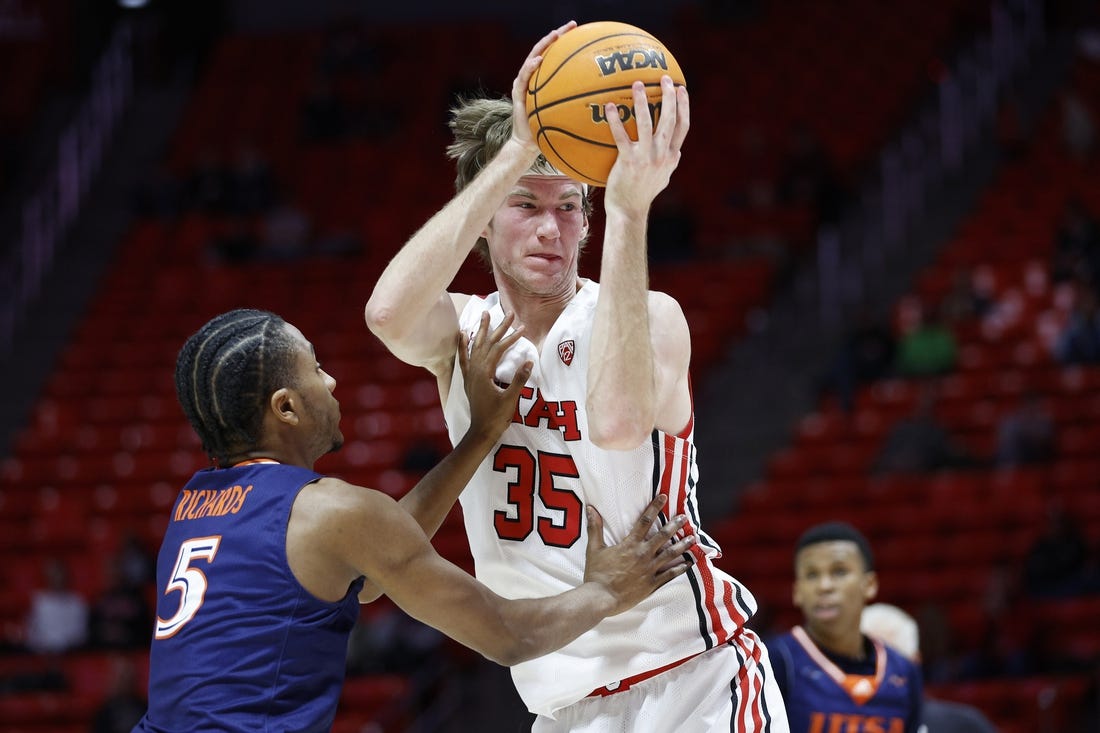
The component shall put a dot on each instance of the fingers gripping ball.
(580, 72)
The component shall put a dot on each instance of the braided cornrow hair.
(225, 374)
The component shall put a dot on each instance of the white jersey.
(524, 515)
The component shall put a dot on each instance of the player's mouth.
(825, 612)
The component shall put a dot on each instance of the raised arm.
(410, 310)
(365, 532)
(491, 410)
(640, 341)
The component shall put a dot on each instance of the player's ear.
(870, 585)
(282, 405)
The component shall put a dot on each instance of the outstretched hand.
(521, 131)
(644, 166)
(491, 405)
(642, 562)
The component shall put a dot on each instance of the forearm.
(431, 499)
(538, 626)
(511, 631)
(419, 274)
(621, 381)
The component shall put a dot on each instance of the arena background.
(874, 233)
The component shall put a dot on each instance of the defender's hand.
(642, 562)
(491, 406)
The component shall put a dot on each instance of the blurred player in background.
(895, 628)
(606, 418)
(833, 677)
(265, 562)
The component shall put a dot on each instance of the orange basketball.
(591, 65)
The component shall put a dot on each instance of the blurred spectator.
(809, 176)
(135, 563)
(251, 182)
(391, 641)
(1026, 435)
(928, 348)
(324, 116)
(1012, 130)
(938, 659)
(895, 628)
(919, 443)
(756, 171)
(1058, 562)
(421, 456)
(160, 195)
(236, 243)
(672, 229)
(865, 356)
(58, 617)
(964, 300)
(120, 616)
(125, 703)
(1078, 126)
(286, 231)
(1076, 244)
(338, 243)
(208, 185)
(348, 50)
(1079, 341)
(1004, 644)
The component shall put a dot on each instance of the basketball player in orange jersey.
(605, 418)
(833, 677)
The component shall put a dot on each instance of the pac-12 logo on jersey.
(565, 352)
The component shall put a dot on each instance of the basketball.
(591, 65)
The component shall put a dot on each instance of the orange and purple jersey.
(238, 643)
(825, 693)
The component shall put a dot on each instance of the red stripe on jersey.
(750, 706)
(742, 688)
(666, 472)
(758, 689)
(672, 447)
(671, 443)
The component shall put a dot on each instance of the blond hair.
(481, 126)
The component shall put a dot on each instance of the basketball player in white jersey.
(606, 418)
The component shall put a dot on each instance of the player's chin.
(337, 443)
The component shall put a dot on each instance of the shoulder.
(779, 654)
(460, 301)
(902, 661)
(779, 648)
(667, 317)
(941, 713)
(333, 502)
(661, 303)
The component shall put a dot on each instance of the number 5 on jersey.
(190, 582)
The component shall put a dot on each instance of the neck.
(250, 456)
(847, 644)
(537, 313)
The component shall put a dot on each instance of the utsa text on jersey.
(848, 723)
